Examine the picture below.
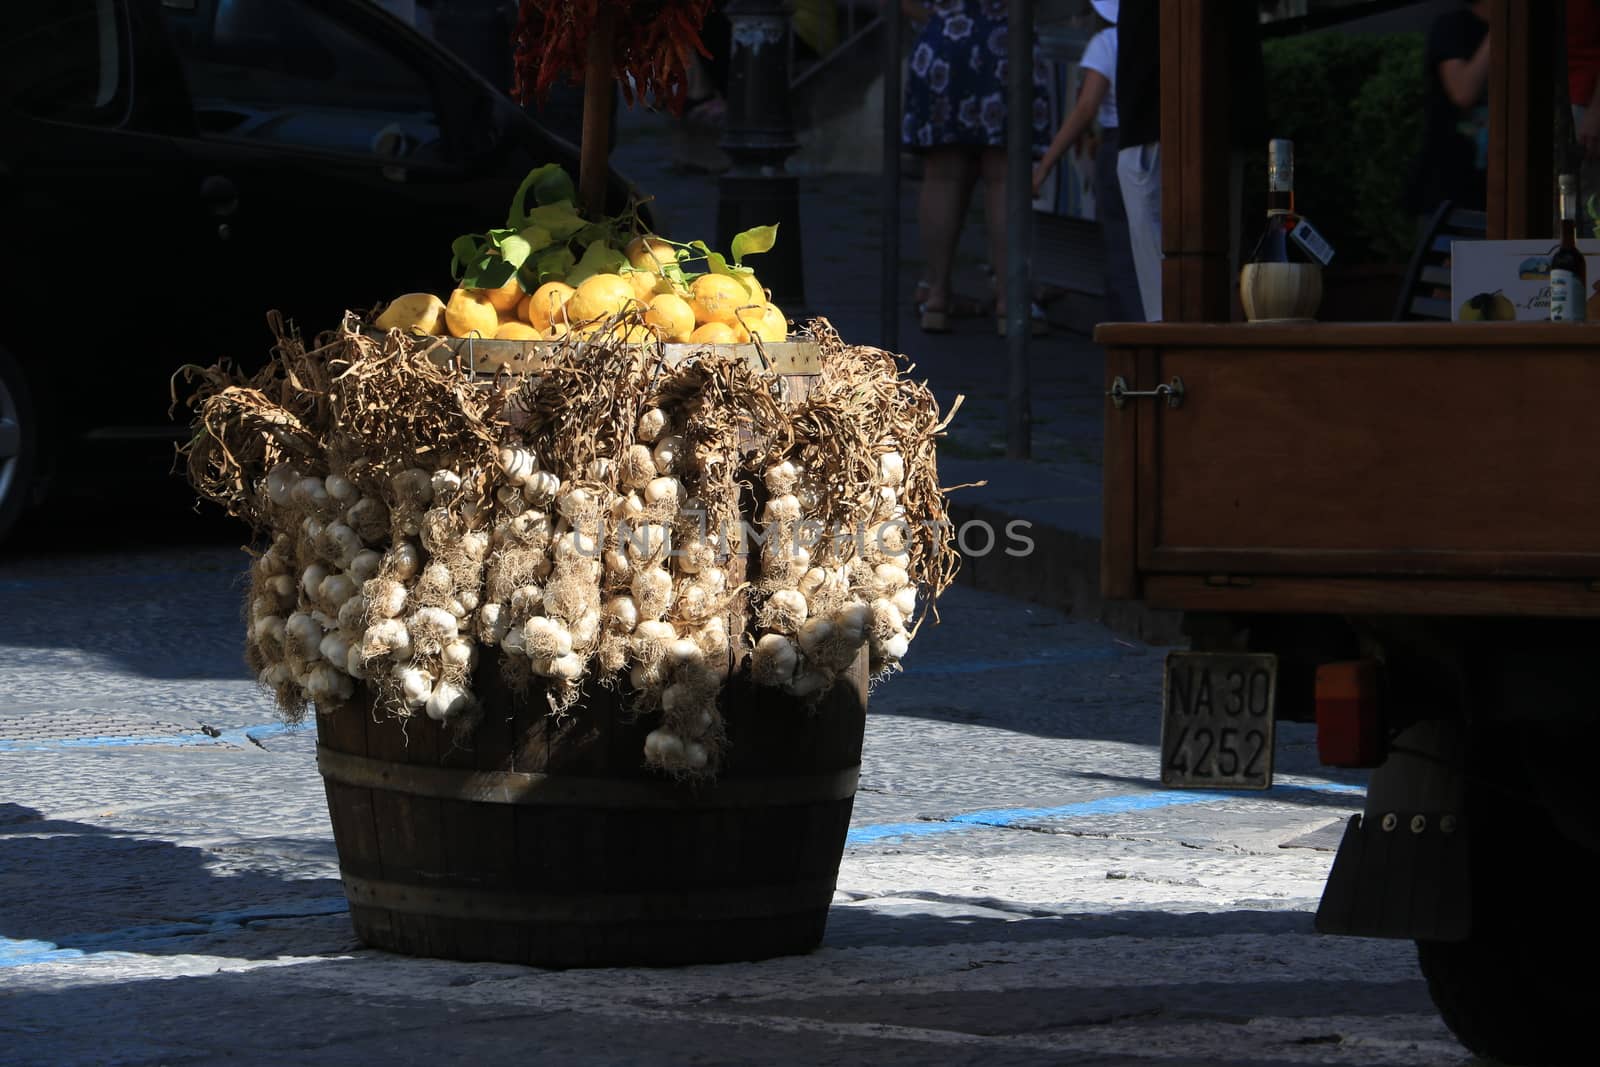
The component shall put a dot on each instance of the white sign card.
(1510, 280)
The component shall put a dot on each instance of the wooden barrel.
(547, 841)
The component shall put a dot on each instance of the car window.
(284, 72)
(66, 60)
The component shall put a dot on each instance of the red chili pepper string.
(654, 45)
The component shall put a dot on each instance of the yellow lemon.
(753, 285)
(542, 306)
(632, 334)
(644, 284)
(558, 330)
(713, 333)
(765, 323)
(506, 297)
(469, 314)
(672, 315)
(599, 297)
(416, 312)
(717, 297)
(649, 253)
(517, 330)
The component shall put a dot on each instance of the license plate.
(1216, 720)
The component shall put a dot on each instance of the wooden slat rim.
(527, 357)
(588, 906)
(1466, 337)
(518, 787)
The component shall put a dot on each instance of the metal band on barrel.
(517, 787)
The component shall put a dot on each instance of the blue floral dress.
(956, 87)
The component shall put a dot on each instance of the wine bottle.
(1274, 244)
(1282, 280)
(1569, 276)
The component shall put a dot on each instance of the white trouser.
(1139, 174)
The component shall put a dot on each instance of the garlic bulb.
(545, 638)
(280, 482)
(517, 464)
(445, 485)
(623, 612)
(416, 686)
(335, 589)
(311, 580)
(387, 637)
(785, 611)
(652, 424)
(447, 701)
(386, 597)
(652, 591)
(311, 494)
(302, 636)
(774, 660)
(341, 489)
(905, 601)
(638, 467)
(364, 565)
(369, 518)
(460, 654)
(327, 684)
(896, 647)
(780, 478)
(403, 560)
(891, 469)
(807, 683)
(353, 614)
(413, 487)
(668, 454)
(541, 488)
(335, 649)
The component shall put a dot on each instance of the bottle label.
(1315, 245)
(1566, 297)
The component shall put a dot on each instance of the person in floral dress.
(955, 117)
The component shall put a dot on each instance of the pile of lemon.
(711, 309)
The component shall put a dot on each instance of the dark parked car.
(170, 170)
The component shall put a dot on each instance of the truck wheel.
(1520, 989)
(19, 437)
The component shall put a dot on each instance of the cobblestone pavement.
(1016, 889)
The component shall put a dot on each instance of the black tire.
(1522, 988)
(19, 443)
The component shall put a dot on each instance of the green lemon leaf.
(551, 266)
(464, 250)
(754, 240)
(714, 260)
(561, 219)
(490, 272)
(598, 258)
(537, 237)
(515, 250)
(549, 184)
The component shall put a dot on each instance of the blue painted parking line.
(1114, 805)
(116, 944)
(236, 738)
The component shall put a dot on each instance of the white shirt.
(1100, 56)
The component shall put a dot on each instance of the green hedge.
(1353, 105)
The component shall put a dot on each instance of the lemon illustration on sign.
(469, 314)
(599, 297)
(1488, 307)
(414, 312)
(717, 298)
(649, 253)
(672, 315)
(544, 305)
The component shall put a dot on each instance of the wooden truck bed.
(1420, 469)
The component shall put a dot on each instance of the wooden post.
(594, 152)
(1521, 94)
(1196, 281)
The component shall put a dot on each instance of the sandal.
(961, 307)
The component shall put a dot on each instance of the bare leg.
(947, 180)
(993, 167)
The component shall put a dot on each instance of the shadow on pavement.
(377, 1007)
(73, 888)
